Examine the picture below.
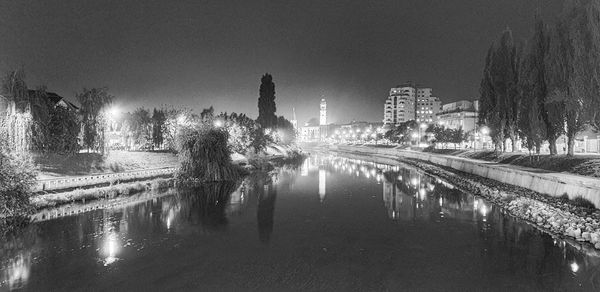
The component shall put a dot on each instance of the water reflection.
(364, 213)
(265, 191)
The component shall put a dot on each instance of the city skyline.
(351, 54)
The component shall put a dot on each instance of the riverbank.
(581, 164)
(554, 215)
(545, 182)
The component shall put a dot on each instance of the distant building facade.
(409, 102)
(461, 114)
(428, 106)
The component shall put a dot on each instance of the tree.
(158, 125)
(141, 128)
(16, 129)
(207, 115)
(490, 113)
(63, 129)
(402, 132)
(93, 103)
(286, 133)
(534, 122)
(266, 102)
(504, 73)
(574, 59)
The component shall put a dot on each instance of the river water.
(333, 223)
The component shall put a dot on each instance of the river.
(333, 223)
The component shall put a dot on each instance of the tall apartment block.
(408, 102)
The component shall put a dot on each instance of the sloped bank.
(552, 215)
(552, 184)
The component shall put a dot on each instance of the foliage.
(266, 102)
(158, 127)
(574, 80)
(207, 115)
(140, 127)
(244, 133)
(15, 129)
(93, 102)
(499, 92)
(285, 133)
(17, 176)
(534, 124)
(402, 133)
(446, 135)
(63, 130)
(174, 119)
(554, 86)
(14, 86)
(204, 155)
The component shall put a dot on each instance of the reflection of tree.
(266, 194)
(205, 204)
(16, 255)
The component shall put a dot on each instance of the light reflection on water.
(271, 210)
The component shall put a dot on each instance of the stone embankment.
(548, 213)
(544, 182)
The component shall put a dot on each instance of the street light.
(415, 135)
(421, 126)
(484, 132)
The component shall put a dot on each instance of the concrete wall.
(96, 179)
(553, 184)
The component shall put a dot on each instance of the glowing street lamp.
(218, 123)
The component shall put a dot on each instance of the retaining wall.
(96, 179)
(553, 184)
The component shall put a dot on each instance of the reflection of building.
(460, 114)
(322, 184)
(408, 102)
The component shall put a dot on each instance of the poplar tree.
(574, 58)
(266, 102)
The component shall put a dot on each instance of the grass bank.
(585, 165)
(107, 192)
(53, 165)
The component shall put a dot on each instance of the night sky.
(202, 53)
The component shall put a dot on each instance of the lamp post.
(421, 126)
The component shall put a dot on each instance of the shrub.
(582, 202)
(17, 176)
(204, 155)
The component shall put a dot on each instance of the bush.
(581, 202)
(17, 177)
(204, 155)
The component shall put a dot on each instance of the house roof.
(55, 99)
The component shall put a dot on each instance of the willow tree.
(266, 102)
(93, 102)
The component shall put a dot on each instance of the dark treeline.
(547, 86)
